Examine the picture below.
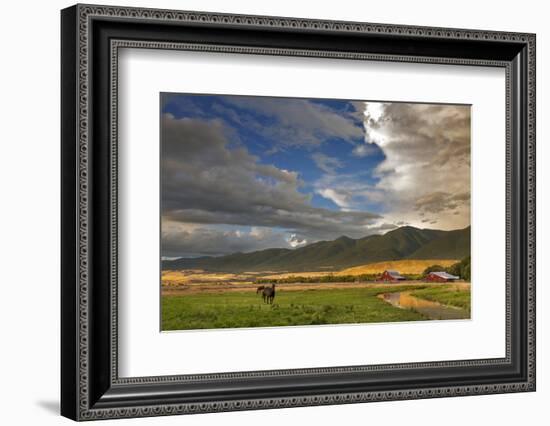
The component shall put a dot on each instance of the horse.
(268, 293)
(260, 289)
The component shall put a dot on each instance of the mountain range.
(406, 242)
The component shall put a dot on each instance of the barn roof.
(445, 275)
(394, 274)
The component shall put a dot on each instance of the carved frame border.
(85, 13)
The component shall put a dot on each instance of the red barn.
(391, 276)
(441, 277)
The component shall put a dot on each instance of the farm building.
(441, 277)
(391, 276)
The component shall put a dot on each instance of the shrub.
(462, 269)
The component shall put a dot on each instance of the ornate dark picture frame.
(91, 38)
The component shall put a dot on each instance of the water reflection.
(432, 310)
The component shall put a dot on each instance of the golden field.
(407, 266)
(190, 276)
(198, 276)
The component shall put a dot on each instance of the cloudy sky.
(247, 173)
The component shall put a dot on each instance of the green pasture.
(445, 294)
(304, 307)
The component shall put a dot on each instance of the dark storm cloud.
(299, 121)
(437, 202)
(181, 240)
(208, 179)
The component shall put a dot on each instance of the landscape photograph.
(305, 212)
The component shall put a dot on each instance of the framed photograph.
(263, 212)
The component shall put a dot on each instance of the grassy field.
(452, 295)
(303, 307)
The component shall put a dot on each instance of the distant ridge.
(406, 242)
